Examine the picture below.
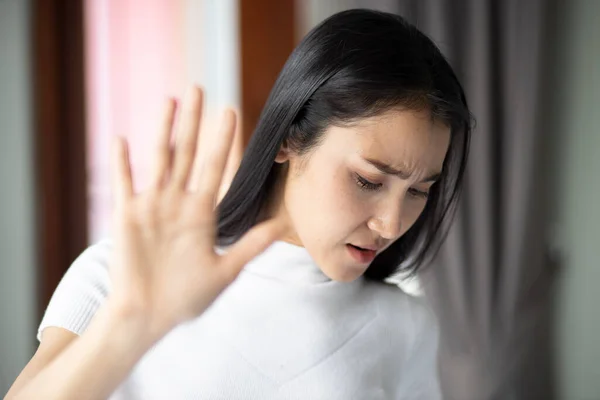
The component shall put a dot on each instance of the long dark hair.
(355, 64)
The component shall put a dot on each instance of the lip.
(366, 247)
(362, 256)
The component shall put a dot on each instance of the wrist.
(130, 327)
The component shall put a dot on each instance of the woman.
(279, 293)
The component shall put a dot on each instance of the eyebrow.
(402, 174)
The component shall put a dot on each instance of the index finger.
(122, 181)
(213, 156)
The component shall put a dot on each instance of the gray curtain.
(492, 283)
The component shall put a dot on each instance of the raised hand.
(165, 268)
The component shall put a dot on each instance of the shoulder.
(395, 302)
(406, 315)
(414, 339)
(81, 291)
(91, 266)
(98, 253)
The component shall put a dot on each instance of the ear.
(283, 154)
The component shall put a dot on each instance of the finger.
(122, 182)
(251, 244)
(163, 145)
(187, 138)
(212, 161)
(233, 162)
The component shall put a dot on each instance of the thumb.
(251, 244)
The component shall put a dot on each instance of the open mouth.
(361, 255)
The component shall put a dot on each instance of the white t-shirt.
(282, 330)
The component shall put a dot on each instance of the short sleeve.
(422, 383)
(81, 291)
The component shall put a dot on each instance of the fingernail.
(195, 91)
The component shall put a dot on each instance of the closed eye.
(366, 185)
(418, 193)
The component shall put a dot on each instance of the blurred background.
(518, 290)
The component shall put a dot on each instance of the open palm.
(165, 264)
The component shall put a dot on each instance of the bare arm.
(93, 365)
(53, 341)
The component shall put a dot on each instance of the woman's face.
(364, 185)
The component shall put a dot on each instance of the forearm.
(94, 365)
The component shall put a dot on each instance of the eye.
(367, 185)
(418, 193)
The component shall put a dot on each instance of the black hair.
(353, 65)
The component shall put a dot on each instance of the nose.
(388, 222)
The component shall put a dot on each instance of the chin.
(344, 274)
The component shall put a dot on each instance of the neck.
(274, 208)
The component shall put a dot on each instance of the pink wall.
(135, 58)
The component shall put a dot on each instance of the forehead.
(401, 138)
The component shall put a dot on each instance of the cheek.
(413, 208)
(348, 202)
(326, 201)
